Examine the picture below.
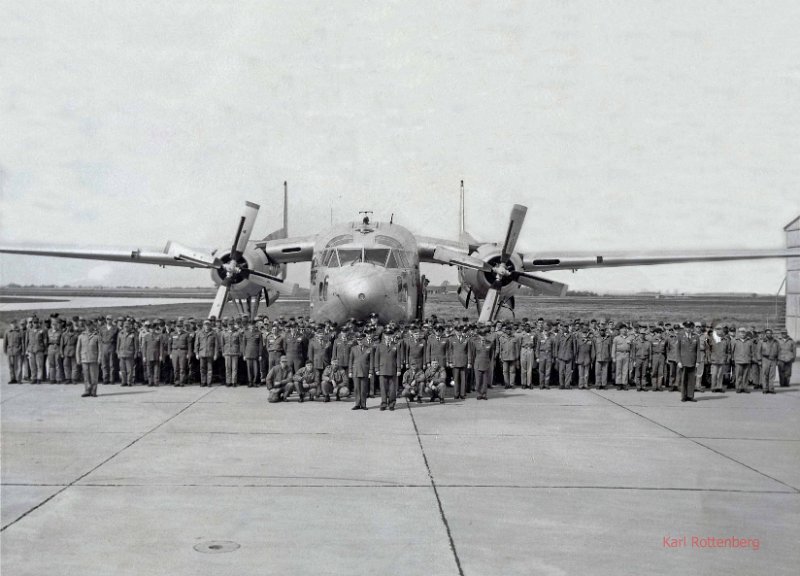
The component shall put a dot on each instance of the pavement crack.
(436, 493)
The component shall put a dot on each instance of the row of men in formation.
(363, 358)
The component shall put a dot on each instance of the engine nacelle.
(241, 286)
(479, 281)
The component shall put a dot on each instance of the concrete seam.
(436, 492)
(46, 500)
(690, 439)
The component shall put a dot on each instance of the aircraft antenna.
(285, 207)
(391, 220)
(461, 212)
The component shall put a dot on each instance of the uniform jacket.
(295, 345)
(688, 349)
(741, 351)
(621, 345)
(69, 340)
(37, 341)
(641, 349)
(566, 347)
(230, 342)
(13, 342)
(415, 351)
(337, 376)
(388, 358)
(319, 352)
(436, 350)
(151, 347)
(278, 375)
(205, 344)
(509, 349)
(720, 352)
(659, 347)
(413, 377)
(273, 342)
(179, 341)
(672, 348)
(54, 340)
(482, 353)
(458, 351)
(787, 350)
(108, 336)
(341, 351)
(127, 345)
(251, 344)
(436, 375)
(546, 346)
(306, 375)
(769, 349)
(602, 348)
(585, 352)
(87, 351)
(360, 363)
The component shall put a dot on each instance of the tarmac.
(201, 481)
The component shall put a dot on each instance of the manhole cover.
(216, 547)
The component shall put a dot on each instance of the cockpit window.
(349, 256)
(331, 259)
(392, 261)
(376, 256)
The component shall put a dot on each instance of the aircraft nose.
(363, 292)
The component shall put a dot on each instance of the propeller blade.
(512, 234)
(540, 285)
(197, 258)
(248, 273)
(219, 301)
(282, 288)
(448, 256)
(244, 229)
(490, 305)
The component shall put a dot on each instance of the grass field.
(759, 311)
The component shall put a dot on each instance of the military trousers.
(55, 368)
(231, 369)
(622, 369)
(481, 381)
(107, 360)
(601, 373)
(527, 362)
(206, 370)
(252, 371)
(565, 371)
(699, 373)
(459, 381)
(545, 369)
(583, 375)
(70, 368)
(37, 366)
(509, 373)
(126, 367)
(361, 390)
(717, 375)
(15, 367)
(435, 390)
(91, 374)
(153, 372)
(687, 378)
(767, 371)
(388, 390)
(657, 372)
(180, 363)
(784, 372)
(639, 373)
(741, 372)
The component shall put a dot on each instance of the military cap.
(206, 322)
(283, 357)
(688, 324)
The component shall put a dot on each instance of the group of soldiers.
(417, 360)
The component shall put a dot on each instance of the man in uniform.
(36, 347)
(672, 358)
(230, 342)
(509, 356)
(413, 381)
(151, 354)
(621, 352)
(205, 348)
(435, 378)
(741, 354)
(545, 353)
(334, 381)
(601, 350)
(13, 348)
(361, 367)
(720, 356)
(179, 352)
(387, 363)
(251, 347)
(482, 356)
(641, 353)
(584, 357)
(769, 359)
(55, 368)
(87, 352)
(305, 382)
(274, 344)
(319, 352)
(787, 354)
(688, 353)
(69, 340)
(458, 360)
(108, 348)
(127, 350)
(527, 356)
(279, 380)
(658, 347)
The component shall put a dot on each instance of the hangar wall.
(793, 290)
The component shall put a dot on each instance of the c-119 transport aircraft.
(361, 268)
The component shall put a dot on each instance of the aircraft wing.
(136, 256)
(286, 250)
(553, 261)
(426, 246)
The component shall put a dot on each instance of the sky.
(639, 125)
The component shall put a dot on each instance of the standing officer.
(601, 345)
(672, 358)
(319, 352)
(566, 349)
(36, 347)
(545, 353)
(437, 348)
(584, 357)
(458, 360)
(720, 356)
(641, 353)
(509, 356)
(205, 348)
(108, 348)
(13, 348)
(55, 369)
(151, 354)
(482, 356)
(769, 359)
(621, 352)
(688, 353)
(415, 348)
(251, 346)
(527, 356)
(87, 352)
(387, 363)
(230, 342)
(435, 378)
(274, 343)
(740, 354)
(658, 347)
(179, 351)
(69, 340)
(787, 353)
(295, 345)
(360, 369)
(127, 351)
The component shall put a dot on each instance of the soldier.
(361, 367)
(527, 356)
(387, 364)
(621, 353)
(230, 343)
(87, 352)
(584, 357)
(273, 342)
(509, 356)
(13, 347)
(108, 348)
(741, 354)
(127, 350)
(295, 345)
(755, 359)
(151, 348)
(601, 351)
(319, 352)
(641, 353)
(672, 357)
(435, 379)
(566, 350)
(482, 356)
(279, 380)
(251, 348)
(305, 382)
(703, 353)
(658, 347)
(415, 348)
(413, 380)
(720, 357)
(179, 352)
(458, 360)
(545, 353)
(69, 340)
(205, 348)
(436, 348)
(768, 349)
(334, 381)
(688, 350)
(341, 350)
(55, 369)
(787, 354)
(36, 347)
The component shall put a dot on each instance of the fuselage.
(359, 269)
